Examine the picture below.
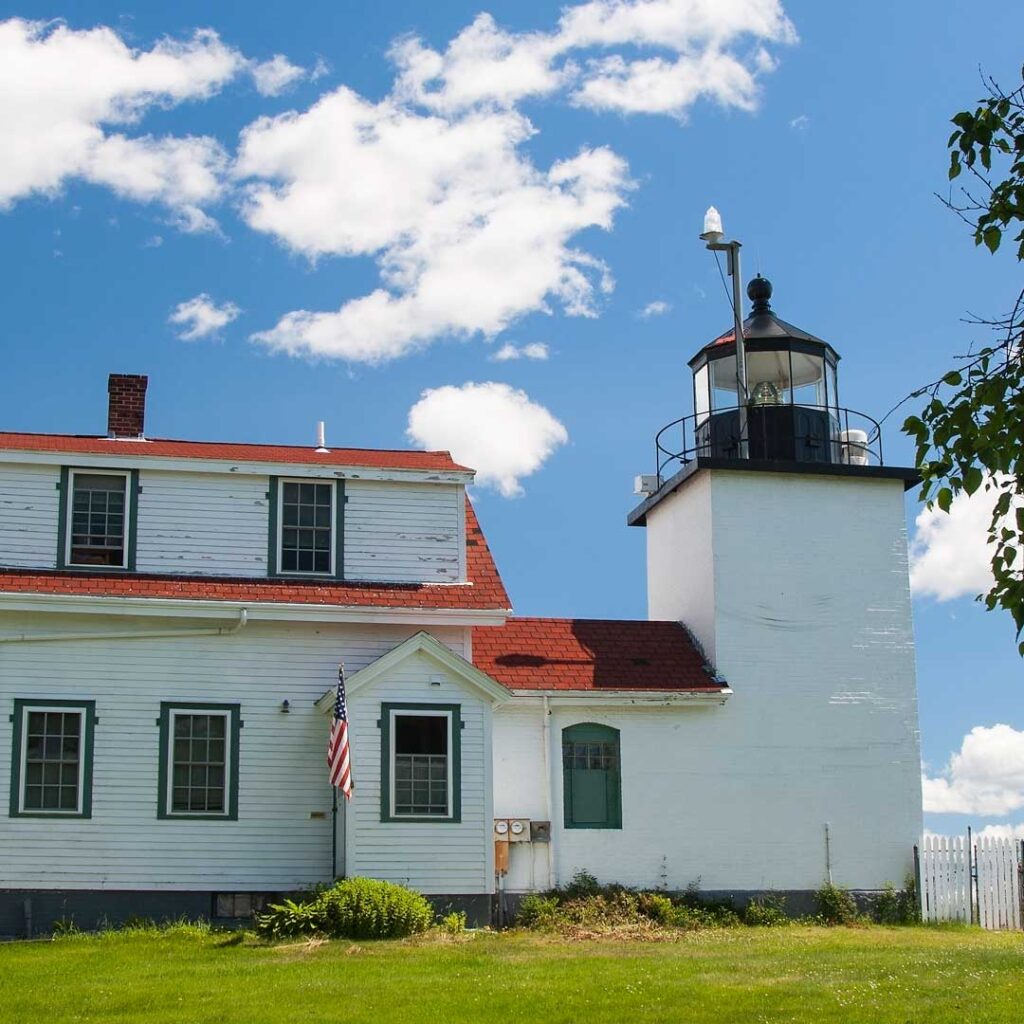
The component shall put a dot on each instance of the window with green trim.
(305, 527)
(421, 762)
(591, 776)
(51, 765)
(198, 775)
(97, 519)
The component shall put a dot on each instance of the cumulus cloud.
(61, 91)
(985, 777)
(201, 317)
(532, 350)
(702, 48)
(468, 233)
(495, 429)
(1006, 831)
(272, 77)
(434, 184)
(659, 307)
(949, 554)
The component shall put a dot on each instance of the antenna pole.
(742, 395)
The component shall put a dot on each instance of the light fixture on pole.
(713, 235)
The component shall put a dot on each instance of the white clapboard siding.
(403, 532)
(274, 845)
(201, 523)
(434, 858)
(29, 507)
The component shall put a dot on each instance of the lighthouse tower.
(777, 534)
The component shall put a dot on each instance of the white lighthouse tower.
(777, 535)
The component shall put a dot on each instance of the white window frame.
(129, 511)
(64, 709)
(396, 713)
(172, 714)
(333, 484)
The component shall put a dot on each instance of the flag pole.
(334, 832)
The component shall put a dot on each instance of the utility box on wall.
(540, 831)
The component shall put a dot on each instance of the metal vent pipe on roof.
(321, 442)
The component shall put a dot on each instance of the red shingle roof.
(591, 654)
(275, 453)
(484, 590)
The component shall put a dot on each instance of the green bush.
(835, 905)
(583, 884)
(896, 906)
(537, 911)
(767, 911)
(356, 908)
(454, 923)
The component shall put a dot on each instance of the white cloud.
(272, 77)
(468, 233)
(659, 307)
(60, 90)
(533, 350)
(153, 242)
(986, 777)
(201, 317)
(1005, 831)
(490, 427)
(433, 181)
(485, 64)
(949, 554)
(800, 123)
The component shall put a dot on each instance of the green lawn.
(746, 975)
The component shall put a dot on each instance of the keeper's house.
(173, 613)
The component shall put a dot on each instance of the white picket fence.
(975, 881)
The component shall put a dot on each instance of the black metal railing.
(796, 433)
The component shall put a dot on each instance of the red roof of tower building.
(591, 654)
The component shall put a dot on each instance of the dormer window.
(98, 514)
(306, 531)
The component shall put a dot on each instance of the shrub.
(537, 911)
(896, 906)
(767, 911)
(583, 884)
(454, 923)
(835, 905)
(355, 908)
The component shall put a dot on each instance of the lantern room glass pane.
(768, 377)
(808, 379)
(701, 395)
(723, 383)
(833, 388)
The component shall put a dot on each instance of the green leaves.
(972, 437)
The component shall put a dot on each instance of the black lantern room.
(792, 412)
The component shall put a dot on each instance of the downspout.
(547, 790)
(151, 634)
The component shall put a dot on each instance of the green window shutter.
(62, 517)
(233, 732)
(272, 527)
(87, 709)
(339, 530)
(132, 526)
(591, 776)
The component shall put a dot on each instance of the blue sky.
(824, 161)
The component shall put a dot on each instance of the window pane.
(198, 763)
(51, 765)
(98, 504)
(306, 527)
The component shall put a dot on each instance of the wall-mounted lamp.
(285, 707)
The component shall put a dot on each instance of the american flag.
(339, 768)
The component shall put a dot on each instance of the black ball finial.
(759, 291)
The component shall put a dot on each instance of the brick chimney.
(126, 410)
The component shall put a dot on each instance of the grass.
(188, 976)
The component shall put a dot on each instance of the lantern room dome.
(764, 324)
